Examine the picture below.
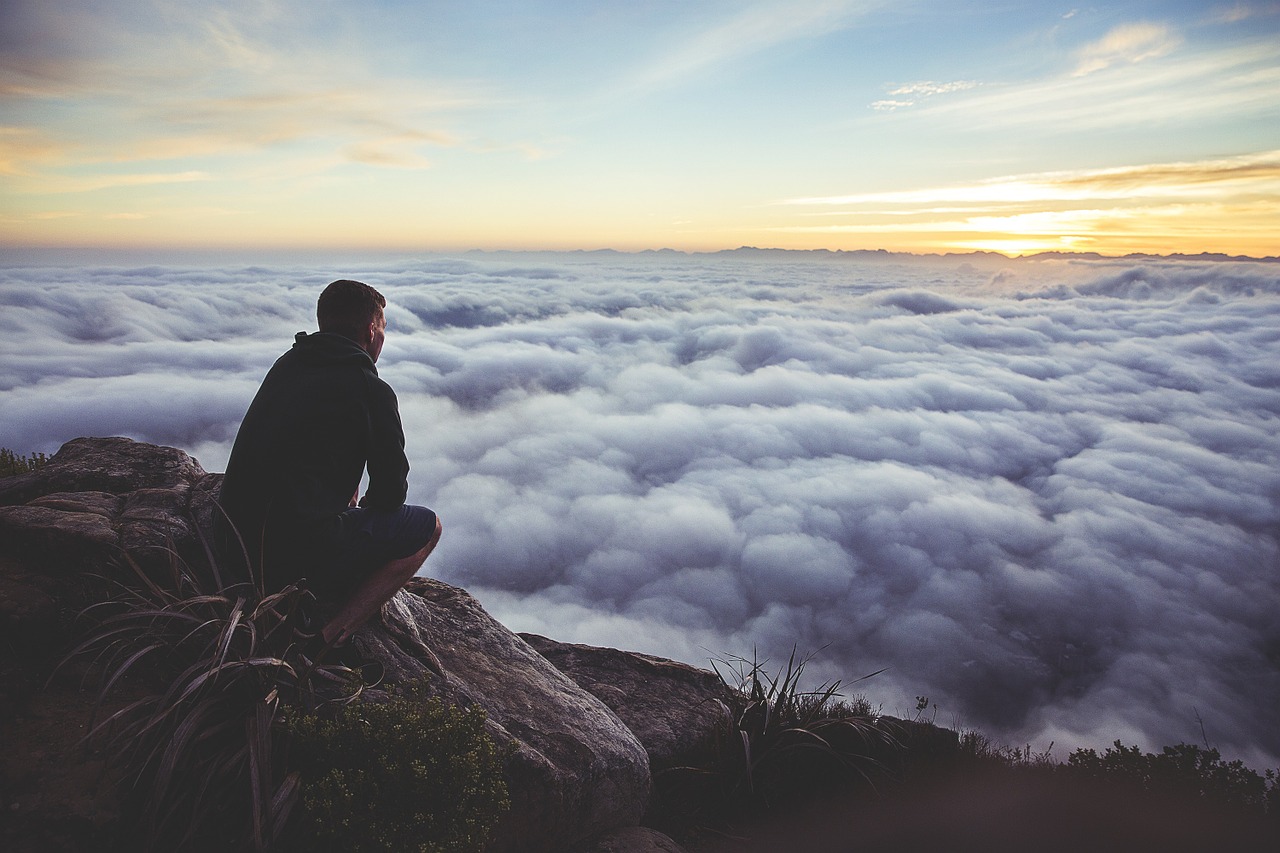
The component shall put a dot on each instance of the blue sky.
(921, 126)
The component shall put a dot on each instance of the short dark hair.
(347, 307)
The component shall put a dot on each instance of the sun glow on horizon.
(1137, 129)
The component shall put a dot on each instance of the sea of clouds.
(1042, 493)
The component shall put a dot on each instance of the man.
(320, 418)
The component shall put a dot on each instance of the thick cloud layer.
(1042, 493)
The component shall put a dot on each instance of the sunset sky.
(928, 126)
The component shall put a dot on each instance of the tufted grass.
(212, 668)
(784, 745)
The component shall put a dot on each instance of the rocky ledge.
(584, 725)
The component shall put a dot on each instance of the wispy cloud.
(1242, 12)
(227, 80)
(755, 28)
(1160, 201)
(912, 93)
(890, 104)
(1127, 44)
(102, 182)
(23, 147)
(1257, 172)
(1240, 79)
(266, 118)
(1082, 223)
(397, 151)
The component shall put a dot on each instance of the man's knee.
(417, 558)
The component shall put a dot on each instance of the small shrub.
(1184, 769)
(11, 463)
(410, 774)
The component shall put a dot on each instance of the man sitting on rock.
(320, 418)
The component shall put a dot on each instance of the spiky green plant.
(784, 744)
(792, 738)
(213, 665)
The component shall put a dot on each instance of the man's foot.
(317, 651)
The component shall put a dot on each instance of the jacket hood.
(321, 348)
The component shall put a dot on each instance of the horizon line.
(743, 249)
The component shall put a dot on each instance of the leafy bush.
(410, 774)
(11, 463)
(1184, 769)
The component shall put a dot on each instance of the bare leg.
(375, 591)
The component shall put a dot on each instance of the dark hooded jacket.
(321, 416)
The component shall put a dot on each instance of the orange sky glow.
(1140, 127)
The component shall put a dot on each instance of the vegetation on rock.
(208, 670)
(788, 749)
(228, 736)
(409, 774)
(784, 745)
(1183, 770)
(216, 680)
(11, 463)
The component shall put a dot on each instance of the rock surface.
(576, 771)
(673, 708)
(632, 839)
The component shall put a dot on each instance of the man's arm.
(388, 466)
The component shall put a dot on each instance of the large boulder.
(99, 499)
(676, 710)
(575, 770)
(116, 466)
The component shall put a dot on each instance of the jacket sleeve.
(388, 466)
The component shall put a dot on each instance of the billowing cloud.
(1044, 493)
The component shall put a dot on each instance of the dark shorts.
(368, 539)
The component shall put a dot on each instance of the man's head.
(353, 309)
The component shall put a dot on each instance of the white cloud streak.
(1127, 44)
(1043, 493)
(756, 27)
(1256, 173)
(1167, 87)
(909, 94)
